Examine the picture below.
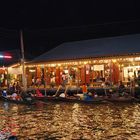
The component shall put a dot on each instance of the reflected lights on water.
(68, 121)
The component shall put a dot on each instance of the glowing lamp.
(6, 56)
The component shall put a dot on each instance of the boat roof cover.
(109, 46)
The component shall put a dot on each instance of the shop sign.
(98, 67)
(15, 70)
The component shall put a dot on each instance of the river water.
(71, 121)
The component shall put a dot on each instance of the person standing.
(14, 87)
(33, 81)
(64, 79)
(132, 88)
(18, 88)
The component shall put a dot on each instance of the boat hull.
(62, 99)
(29, 102)
(122, 100)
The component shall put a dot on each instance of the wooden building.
(92, 61)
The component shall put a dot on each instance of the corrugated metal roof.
(119, 45)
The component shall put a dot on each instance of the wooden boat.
(67, 99)
(28, 101)
(122, 99)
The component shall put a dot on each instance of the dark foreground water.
(67, 121)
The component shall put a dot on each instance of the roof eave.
(80, 58)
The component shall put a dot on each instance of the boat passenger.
(26, 96)
(19, 98)
(4, 93)
(39, 94)
(12, 138)
(14, 96)
(18, 88)
(88, 97)
(10, 88)
(30, 93)
(95, 95)
(110, 93)
(91, 95)
(14, 87)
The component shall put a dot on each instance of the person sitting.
(38, 93)
(88, 96)
(14, 96)
(4, 93)
(91, 95)
(18, 88)
(18, 97)
(12, 138)
(26, 96)
(95, 95)
(109, 93)
(121, 88)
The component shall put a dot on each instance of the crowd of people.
(120, 90)
(15, 90)
(36, 81)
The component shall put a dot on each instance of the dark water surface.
(67, 121)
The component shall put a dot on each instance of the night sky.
(48, 23)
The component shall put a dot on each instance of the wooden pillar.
(28, 76)
(45, 75)
(57, 78)
(61, 72)
(114, 73)
(83, 79)
(87, 74)
(48, 74)
(38, 72)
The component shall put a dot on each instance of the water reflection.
(68, 121)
